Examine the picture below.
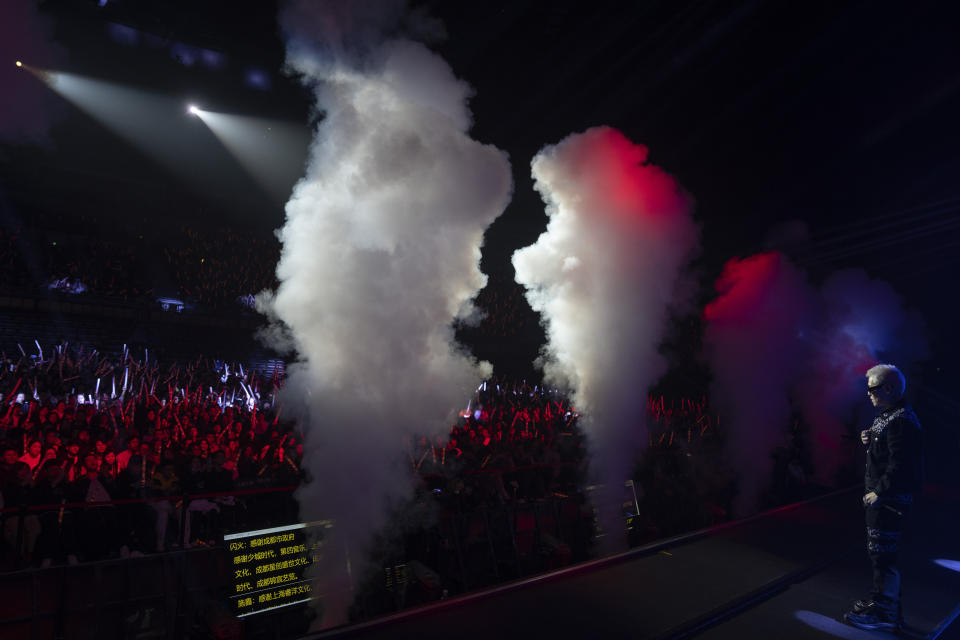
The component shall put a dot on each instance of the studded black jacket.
(895, 455)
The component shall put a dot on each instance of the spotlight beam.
(271, 151)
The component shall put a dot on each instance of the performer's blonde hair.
(884, 373)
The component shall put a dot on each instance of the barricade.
(481, 547)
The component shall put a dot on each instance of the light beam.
(153, 123)
(272, 152)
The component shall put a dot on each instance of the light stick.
(418, 464)
(36, 342)
(21, 350)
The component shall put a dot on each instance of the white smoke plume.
(778, 346)
(605, 276)
(381, 250)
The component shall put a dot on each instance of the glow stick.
(113, 387)
(421, 459)
(39, 349)
(97, 392)
(241, 370)
(21, 350)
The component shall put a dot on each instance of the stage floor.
(789, 573)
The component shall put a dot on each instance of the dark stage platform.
(788, 573)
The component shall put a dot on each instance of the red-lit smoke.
(778, 346)
(752, 344)
(604, 276)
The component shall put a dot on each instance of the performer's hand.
(865, 436)
(870, 498)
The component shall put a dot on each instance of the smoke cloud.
(753, 346)
(605, 276)
(25, 103)
(779, 347)
(381, 250)
(861, 322)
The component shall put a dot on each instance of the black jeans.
(884, 527)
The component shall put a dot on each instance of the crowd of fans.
(521, 443)
(504, 311)
(99, 266)
(216, 269)
(207, 266)
(14, 272)
(78, 427)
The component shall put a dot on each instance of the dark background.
(826, 129)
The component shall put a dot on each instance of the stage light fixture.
(19, 64)
(193, 109)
